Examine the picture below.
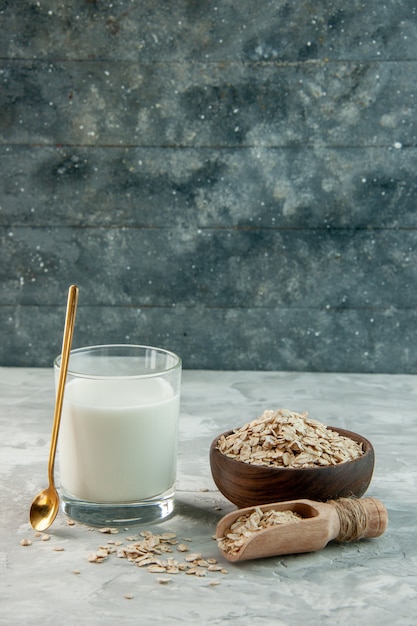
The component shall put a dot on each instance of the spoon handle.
(65, 354)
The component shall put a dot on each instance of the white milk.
(118, 438)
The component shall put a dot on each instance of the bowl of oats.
(283, 455)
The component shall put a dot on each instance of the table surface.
(368, 582)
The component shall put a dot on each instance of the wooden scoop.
(346, 519)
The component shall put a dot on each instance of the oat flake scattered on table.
(283, 438)
(156, 554)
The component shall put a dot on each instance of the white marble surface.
(367, 582)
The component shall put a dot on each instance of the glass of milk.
(118, 435)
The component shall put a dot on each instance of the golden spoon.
(46, 504)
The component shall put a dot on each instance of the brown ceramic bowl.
(249, 485)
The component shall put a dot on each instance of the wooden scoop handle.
(360, 518)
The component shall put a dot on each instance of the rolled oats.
(182, 547)
(193, 557)
(156, 569)
(108, 531)
(283, 438)
(25, 542)
(155, 553)
(246, 526)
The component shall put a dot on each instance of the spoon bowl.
(45, 505)
(44, 508)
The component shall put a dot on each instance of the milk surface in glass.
(118, 439)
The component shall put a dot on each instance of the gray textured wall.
(235, 181)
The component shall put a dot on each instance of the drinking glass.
(118, 435)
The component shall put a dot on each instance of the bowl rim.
(367, 445)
